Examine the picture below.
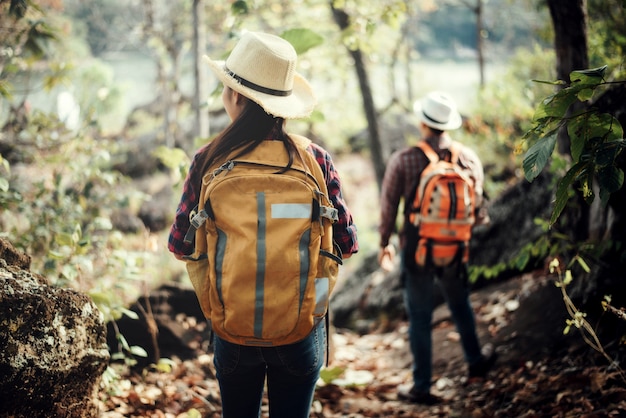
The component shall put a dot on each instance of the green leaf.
(100, 298)
(555, 105)
(552, 83)
(611, 178)
(194, 413)
(607, 153)
(328, 375)
(522, 261)
(589, 76)
(60, 254)
(562, 191)
(129, 313)
(583, 128)
(568, 277)
(64, 239)
(165, 365)
(302, 39)
(537, 156)
(583, 264)
(171, 157)
(123, 342)
(138, 351)
(118, 356)
(5, 90)
(585, 94)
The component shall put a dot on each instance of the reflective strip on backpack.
(219, 262)
(321, 295)
(260, 272)
(291, 210)
(304, 264)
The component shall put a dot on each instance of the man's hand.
(386, 257)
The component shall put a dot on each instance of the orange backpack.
(264, 264)
(443, 210)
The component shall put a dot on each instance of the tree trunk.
(201, 121)
(342, 19)
(569, 18)
(479, 42)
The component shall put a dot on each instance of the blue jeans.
(419, 285)
(291, 370)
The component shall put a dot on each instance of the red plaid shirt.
(344, 231)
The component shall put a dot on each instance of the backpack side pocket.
(197, 268)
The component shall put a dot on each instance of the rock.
(12, 256)
(170, 324)
(512, 226)
(52, 346)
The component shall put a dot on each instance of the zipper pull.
(227, 166)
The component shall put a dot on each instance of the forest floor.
(540, 372)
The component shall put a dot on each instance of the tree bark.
(201, 122)
(569, 18)
(480, 45)
(343, 21)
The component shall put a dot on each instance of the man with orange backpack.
(441, 184)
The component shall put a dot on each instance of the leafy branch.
(596, 139)
(577, 317)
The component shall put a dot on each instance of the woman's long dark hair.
(249, 129)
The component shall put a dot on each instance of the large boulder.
(53, 347)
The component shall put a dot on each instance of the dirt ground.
(539, 372)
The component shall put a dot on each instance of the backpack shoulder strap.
(433, 157)
(428, 151)
(309, 161)
(301, 141)
(455, 151)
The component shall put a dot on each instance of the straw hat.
(438, 111)
(262, 68)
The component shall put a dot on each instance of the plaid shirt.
(344, 231)
(401, 177)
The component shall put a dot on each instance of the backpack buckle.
(330, 213)
(196, 222)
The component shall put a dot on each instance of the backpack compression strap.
(427, 149)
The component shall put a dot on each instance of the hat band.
(433, 120)
(256, 87)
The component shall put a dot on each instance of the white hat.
(262, 68)
(438, 111)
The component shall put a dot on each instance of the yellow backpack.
(264, 264)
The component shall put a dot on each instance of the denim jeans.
(291, 370)
(419, 285)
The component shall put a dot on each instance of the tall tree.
(569, 18)
(343, 21)
(201, 122)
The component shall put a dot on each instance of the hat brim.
(299, 104)
(455, 122)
